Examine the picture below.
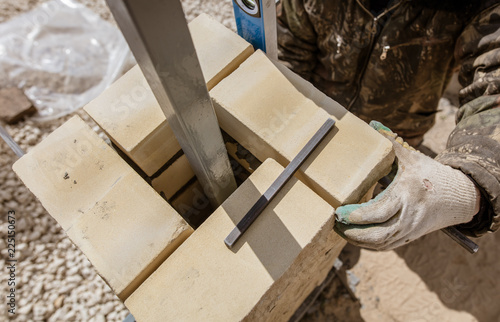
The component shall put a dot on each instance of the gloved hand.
(424, 196)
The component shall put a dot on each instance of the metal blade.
(158, 35)
(461, 239)
(276, 186)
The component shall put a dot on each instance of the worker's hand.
(424, 196)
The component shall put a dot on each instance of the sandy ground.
(432, 279)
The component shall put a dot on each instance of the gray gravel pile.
(54, 280)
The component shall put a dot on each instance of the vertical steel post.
(158, 35)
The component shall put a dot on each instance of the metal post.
(158, 35)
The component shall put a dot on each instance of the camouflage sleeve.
(474, 145)
(296, 38)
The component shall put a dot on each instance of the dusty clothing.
(393, 66)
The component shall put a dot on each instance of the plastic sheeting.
(62, 55)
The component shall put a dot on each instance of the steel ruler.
(276, 186)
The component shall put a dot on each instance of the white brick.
(129, 113)
(174, 177)
(119, 222)
(285, 254)
(273, 116)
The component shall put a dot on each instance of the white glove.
(424, 196)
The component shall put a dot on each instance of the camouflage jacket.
(393, 67)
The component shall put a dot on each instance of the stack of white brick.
(268, 273)
(286, 252)
(131, 117)
(121, 224)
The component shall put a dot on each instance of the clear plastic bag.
(62, 55)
